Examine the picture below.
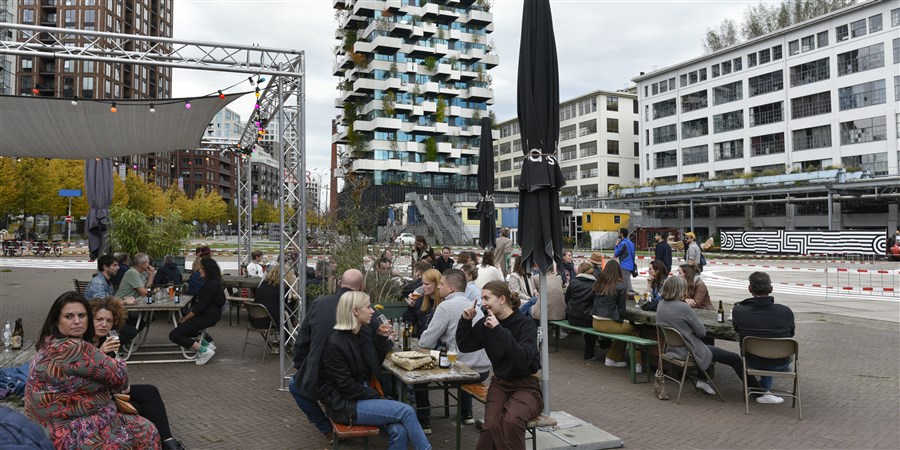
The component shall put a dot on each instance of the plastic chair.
(673, 338)
(255, 311)
(774, 348)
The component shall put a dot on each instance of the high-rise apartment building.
(598, 145)
(211, 170)
(414, 83)
(52, 77)
(8, 10)
(820, 93)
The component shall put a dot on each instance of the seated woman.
(608, 313)
(267, 294)
(697, 295)
(348, 387)
(419, 313)
(656, 277)
(674, 313)
(487, 271)
(510, 341)
(205, 313)
(70, 385)
(110, 315)
(579, 303)
(522, 283)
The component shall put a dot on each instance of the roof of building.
(753, 41)
(623, 93)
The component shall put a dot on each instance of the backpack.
(702, 261)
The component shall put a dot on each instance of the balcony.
(379, 123)
(480, 93)
(480, 17)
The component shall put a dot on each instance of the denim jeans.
(311, 408)
(766, 382)
(398, 419)
(466, 401)
(525, 308)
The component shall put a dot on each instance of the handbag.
(659, 381)
(125, 407)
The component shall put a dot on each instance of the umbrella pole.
(545, 347)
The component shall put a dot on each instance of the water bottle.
(7, 336)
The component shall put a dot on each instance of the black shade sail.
(486, 212)
(540, 233)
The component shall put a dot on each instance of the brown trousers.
(509, 407)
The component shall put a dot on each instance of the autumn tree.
(145, 197)
(120, 192)
(207, 207)
(175, 199)
(766, 18)
(265, 212)
(68, 174)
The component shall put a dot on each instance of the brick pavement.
(850, 387)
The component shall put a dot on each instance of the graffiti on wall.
(860, 242)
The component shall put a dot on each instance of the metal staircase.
(442, 218)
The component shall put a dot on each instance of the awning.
(51, 127)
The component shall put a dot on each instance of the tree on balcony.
(349, 39)
(388, 104)
(430, 64)
(431, 150)
(441, 110)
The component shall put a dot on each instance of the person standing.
(625, 253)
(348, 376)
(254, 269)
(421, 250)
(443, 262)
(692, 250)
(510, 341)
(444, 324)
(760, 316)
(663, 252)
(314, 331)
(597, 262)
(502, 248)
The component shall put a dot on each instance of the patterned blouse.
(69, 393)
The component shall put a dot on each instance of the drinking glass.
(452, 354)
(384, 324)
(114, 335)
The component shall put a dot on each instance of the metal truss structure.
(286, 103)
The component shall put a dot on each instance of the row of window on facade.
(143, 20)
(820, 137)
(854, 29)
(859, 60)
(436, 180)
(587, 106)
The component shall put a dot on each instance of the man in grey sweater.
(442, 328)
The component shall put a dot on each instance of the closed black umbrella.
(485, 206)
(540, 234)
(98, 186)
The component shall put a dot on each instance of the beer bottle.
(17, 335)
(404, 338)
(443, 361)
(720, 315)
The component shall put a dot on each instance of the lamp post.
(700, 187)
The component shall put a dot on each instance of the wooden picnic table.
(13, 358)
(145, 312)
(714, 330)
(444, 378)
(237, 282)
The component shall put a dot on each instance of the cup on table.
(384, 325)
(452, 354)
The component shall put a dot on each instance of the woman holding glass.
(109, 316)
(510, 341)
(656, 277)
(70, 385)
(423, 302)
(348, 386)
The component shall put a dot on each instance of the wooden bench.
(630, 343)
(80, 286)
(478, 391)
(342, 431)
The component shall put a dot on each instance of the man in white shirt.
(254, 269)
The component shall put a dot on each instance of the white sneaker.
(638, 368)
(769, 399)
(203, 358)
(612, 363)
(211, 346)
(705, 387)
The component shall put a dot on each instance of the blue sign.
(70, 192)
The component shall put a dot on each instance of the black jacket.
(314, 331)
(209, 301)
(168, 273)
(441, 264)
(267, 295)
(762, 317)
(580, 296)
(348, 360)
(408, 288)
(611, 306)
(511, 346)
(664, 254)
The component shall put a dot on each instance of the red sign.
(68, 219)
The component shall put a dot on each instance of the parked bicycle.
(13, 247)
(56, 248)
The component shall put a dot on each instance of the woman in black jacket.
(267, 294)
(579, 302)
(510, 341)
(609, 311)
(348, 386)
(205, 313)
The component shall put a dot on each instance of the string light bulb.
(261, 79)
(187, 104)
(257, 92)
(152, 108)
(250, 79)
(113, 108)
(221, 95)
(256, 106)
(75, 101)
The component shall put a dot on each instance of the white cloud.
(600, 45)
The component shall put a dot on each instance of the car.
(405, 239)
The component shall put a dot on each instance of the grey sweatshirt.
(442, 328)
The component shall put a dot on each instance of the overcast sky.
(601, 45)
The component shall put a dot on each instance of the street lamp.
(700, 187)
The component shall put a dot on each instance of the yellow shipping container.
(604, 220)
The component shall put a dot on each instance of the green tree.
(68, 174)
(120, 192)
(208, 206)
(175, 199)
(265, 212)
(431, 150)
(145, 197)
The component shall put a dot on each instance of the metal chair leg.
(681, 384)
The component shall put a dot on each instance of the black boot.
(172, 444)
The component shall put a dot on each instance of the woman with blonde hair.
(510, 341)
(267, 294)
(348, 376)
(697, 295)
